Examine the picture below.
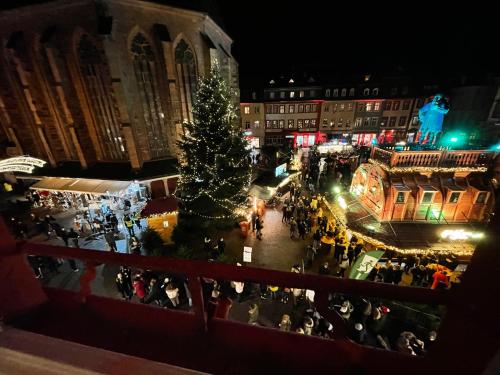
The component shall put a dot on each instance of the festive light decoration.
(380, 244)
(425, 169)
(24, 164)
(215, 170)
(460, 234)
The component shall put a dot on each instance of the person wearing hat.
(286, 323)
(345, 309)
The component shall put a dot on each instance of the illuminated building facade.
(426, 186)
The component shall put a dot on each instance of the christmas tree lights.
(215, 170)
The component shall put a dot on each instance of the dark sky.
(274, 36)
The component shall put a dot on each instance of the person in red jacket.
(440, 280)
(139, 288)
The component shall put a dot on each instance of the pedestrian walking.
(64, 236)
(129, 224)
(259, 224)
(253, 314)
(74, 237)
(110, 239)
(137, 220)
(172, 294)
(123, 287)
(139, 288)
(344, 264)
(254, 221)
(221, 246)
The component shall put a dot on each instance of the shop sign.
(24, 164)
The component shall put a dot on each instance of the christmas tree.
(215, 170)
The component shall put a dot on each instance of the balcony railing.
(209, 342)
(433, 159)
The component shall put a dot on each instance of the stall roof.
(81, 185)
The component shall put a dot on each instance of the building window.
(414, 120)
(292, 94)
(347, 123)
(269, 109)
(306, 123)
(349, 106)
(332, 123)
(290, 124)
(308, 108)
(301, 108)
(281, 124)
(247, 124)
(299, 124)
(374, 122)
(384, 121)
(313, 107)
(427, 198)
(327, 93)
(376, 106)
(400, 197)
(327, 108)
(341, 107)
(275, 109)
(402, 121)
(369, 106)
(301, 94)
(334, 107)
(146, 73)
(481, 197)
(366, 122)
(375, 91)
(325, 122)
(343, 93)
(366, 92)
(335, 92)
(257, 109)
(395, 106)
(282, 109)
(387, 105)
(312, 93)
(275, 124)
(271, 95)
(313, 122)
(256, 124)
(268, 124)
(340, 122)
(254, 95)
(406, 105)
(419, 103)
(351, 92)
(392, 122)
(360, 107)
(358, 122)
(282, 94)
(291, 108)
(454, 197)
(247, 110)
(404, 90)
(394, 91)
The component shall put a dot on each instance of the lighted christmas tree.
(215, 169)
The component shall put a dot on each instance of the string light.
(425, 169)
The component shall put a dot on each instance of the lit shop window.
(247, 110)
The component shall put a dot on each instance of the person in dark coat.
(64, 236)
(221, 245)
(324, 269)
(123, 286)
(302, 229)
(155, 294)
(74, 237)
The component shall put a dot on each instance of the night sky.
(326, 38)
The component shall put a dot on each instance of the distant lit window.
(427, 198)
(349, 106)
(271, 95)
(388, 105)
(366, 92)
(332, 123)
(344, 92)
(247, 110)
(392, 122)
(347, 123)
(282, 109)
(406, 105)
(290, 124)
(275, 124)
(282, 94)
(268, 124)
(375, 91)
(306, 123)
(281, 124)
(314, 107)
(366, 123)
(254, 95)
(256, 124)
(313, 122)
(301, 108)
(292, 94)
(325, 122)
(335, 92)
(312, 93)
(454, 197)
(402, 121)
(383, 122)
(308, 108)
(299, 124)
(341, 107)
(376, 106)
(269, 109)
(276, 108)
(481, 198)
(327, 93)
(369, 106)
(291, 108)
(374, 122)
(414, 120)
(401, 197)
(351, 92)
(395, 105)
(335, 107)
(358, 122)
(301, 94)
(327, 108)
(340, 122)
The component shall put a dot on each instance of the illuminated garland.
(380, 244)
(154, 216)
(425, 169)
